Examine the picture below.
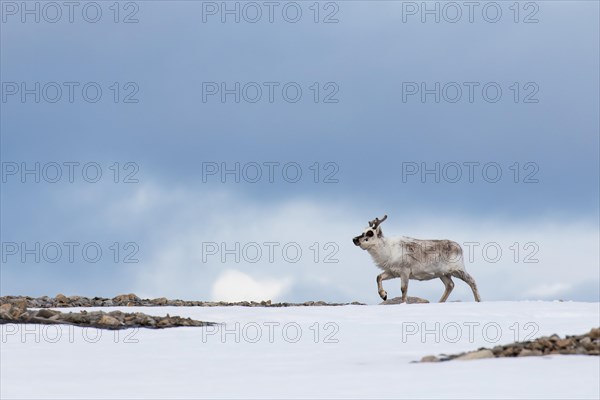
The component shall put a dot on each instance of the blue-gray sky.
(364, 130)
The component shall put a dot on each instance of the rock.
(584, 344)
(21, 304)
(132, 300)
(36, 303)
(528, 353)
(567, 351)
(585, 340)
(46, 313)
(109, 321)
(77, 318)
(416, 300)
(587, 343)
(161, 301)
(409, 300)
(5, 311)
(544, 342)
(126, 298)
(17, 310)
(509, 352)
(477, 355)
(536, 346)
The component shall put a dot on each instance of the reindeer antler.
(376, 222)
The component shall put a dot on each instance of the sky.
(230, 151)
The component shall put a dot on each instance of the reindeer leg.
(464, 276)
(383, 277)
(449, 286)
(404, 286)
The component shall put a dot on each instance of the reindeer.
(407, 258)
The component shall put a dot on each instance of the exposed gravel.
(131, 300)
(587, 344)
(18, 313)
(409, 300)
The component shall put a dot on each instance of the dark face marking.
(368, 234)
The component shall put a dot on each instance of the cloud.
(548, 290)
(234, 285)
(510, 258)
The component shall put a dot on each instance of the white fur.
(408, 258)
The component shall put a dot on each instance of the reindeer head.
(370, 235)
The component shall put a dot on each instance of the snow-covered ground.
(299, 352)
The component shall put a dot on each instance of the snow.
(359, 352)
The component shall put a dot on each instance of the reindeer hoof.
(383, 295)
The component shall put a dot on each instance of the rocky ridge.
(409, 300)
(586, 344)
(18, 313)
(131, 300)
